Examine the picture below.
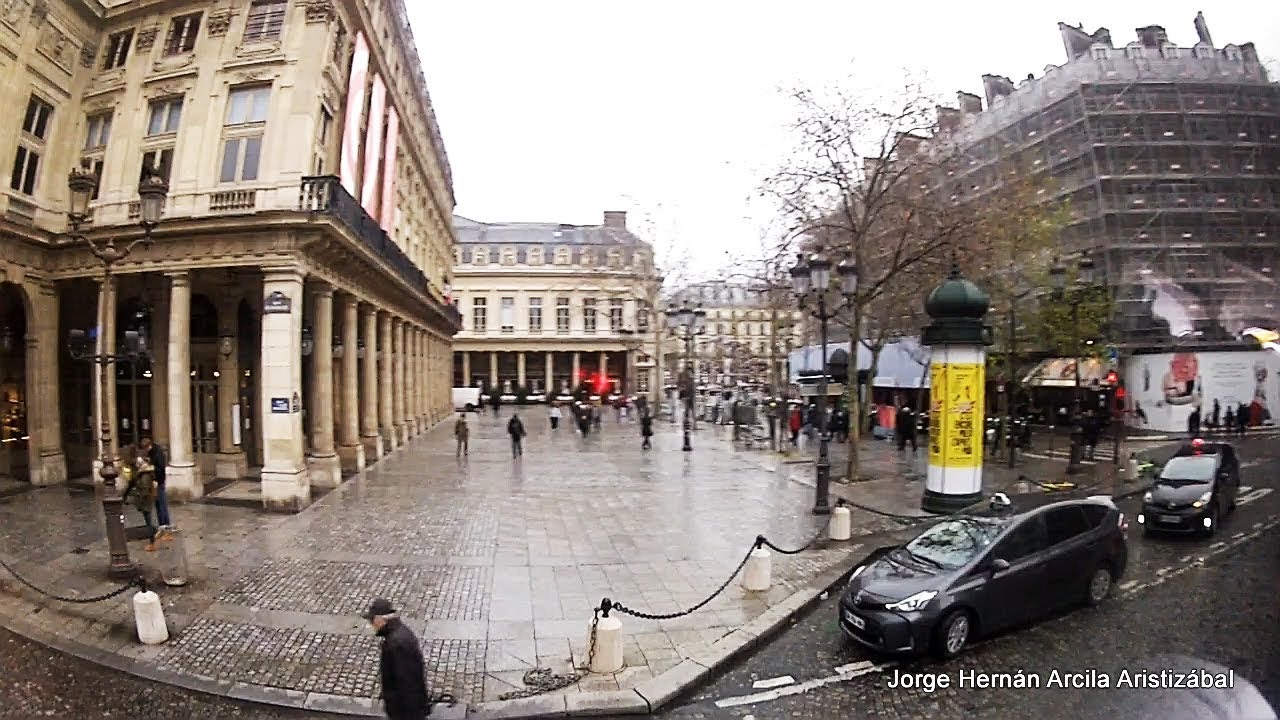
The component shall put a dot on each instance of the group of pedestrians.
(586, 418)
(1235, 421)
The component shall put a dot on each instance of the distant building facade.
(293, 300)
(750, 331)
(1169, 159)
(546, 307)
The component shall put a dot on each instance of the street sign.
(1113, 355)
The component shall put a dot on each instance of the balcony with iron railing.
(325, 194)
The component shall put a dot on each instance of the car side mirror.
(999, 564)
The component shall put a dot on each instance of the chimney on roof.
(616, 219)
(1152, 36)
(1102, 35)
(970, 104)
(948, 119)
(996, 86)
(1202, 29)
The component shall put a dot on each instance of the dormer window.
(562, 256)
(1100, 52)
(1233, 53)
(615, 258)
(585, 257)
(508, 256)
(534, 256)
(480, 256)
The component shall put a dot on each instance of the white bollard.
(149, 616)
(841, 527)
(1132, 466)
(756, 577)
(608, 655)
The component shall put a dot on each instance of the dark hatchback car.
(1194, 490)
(981, 573)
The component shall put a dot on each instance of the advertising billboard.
(1164, 390)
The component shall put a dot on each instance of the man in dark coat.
(906, 428)
(403, 671)
(515, 428)
(646, 431)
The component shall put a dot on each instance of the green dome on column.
(957, 299)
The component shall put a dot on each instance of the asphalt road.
(1224, 608)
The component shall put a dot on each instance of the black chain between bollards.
(614, 605)
(138, 582)
(540, 680)
(763, 541)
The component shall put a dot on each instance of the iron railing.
(325, 194)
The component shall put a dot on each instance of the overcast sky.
(556, 110)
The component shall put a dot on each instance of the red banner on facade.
(349, 164)
(389, 172)
(373, 147)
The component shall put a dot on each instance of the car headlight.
(1147, 497)
(1204, 499)
(913, 603)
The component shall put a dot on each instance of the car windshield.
(1188, 470)
(953, 543)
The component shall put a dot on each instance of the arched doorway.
(133, 378)
(204, 382)
(15, 459)
(249, 335)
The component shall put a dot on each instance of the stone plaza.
(496, 563)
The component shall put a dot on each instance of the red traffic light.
(1120, 393)
(1112, 377)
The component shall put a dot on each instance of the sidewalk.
(496, 565)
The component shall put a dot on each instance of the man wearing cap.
(404, 682)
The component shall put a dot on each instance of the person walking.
(553, 415)
(515, 428)
(141, 484)
(906, 427)
(156, 456)
(583, 414)
(496, 403)
(646, 431)
(400, 665)
(795, 422)
(461, 433)
(1216, 416)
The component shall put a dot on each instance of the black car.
(975, 574)
(1193, 491)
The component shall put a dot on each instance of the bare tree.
(859, 186)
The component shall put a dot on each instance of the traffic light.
(1112, 377)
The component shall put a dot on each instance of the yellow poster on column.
(955, 414)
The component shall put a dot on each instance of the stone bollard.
(1131, 467)
(757, 574)
(149, 616)
(841, 526)
(608, 655)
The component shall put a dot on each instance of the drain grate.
(79, 551)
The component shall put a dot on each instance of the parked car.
(1193, 491)
(976, 574)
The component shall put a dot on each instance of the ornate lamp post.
(812, 283)
(1084, 280)
(686, 324)
(152, 190)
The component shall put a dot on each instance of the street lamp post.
(1084, 279)
(686, 324)
(152, 190)
(811, 282)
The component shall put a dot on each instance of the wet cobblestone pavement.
(496, 563)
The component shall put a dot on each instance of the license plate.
(1169, 519)
(855, 621)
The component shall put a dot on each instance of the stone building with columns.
(546, 307)
(292, 301)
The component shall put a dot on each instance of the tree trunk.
(855, 403)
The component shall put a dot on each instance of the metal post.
(822, 504)
(1076, 447)
(119, 567)
(1009, 384)
(688, 398)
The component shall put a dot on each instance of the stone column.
(323, 464)
(182, 478)
(604, 365)
(577, 371)
(351, 452)
(397, 370)
(410, 379)
(422, 381)
(371, 385)
(286, 484)
(47, 461)
(160, 369)
(231, 462)
(386, 410)
(520, 368)
(551, 376)
(466, 368)
(493, 372)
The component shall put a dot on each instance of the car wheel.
(952, 635)
(1100, 585)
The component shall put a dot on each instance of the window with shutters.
(266, 20)
(182, 34)
(36, 124)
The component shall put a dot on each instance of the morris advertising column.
(957, 377)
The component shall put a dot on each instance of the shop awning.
(1061, 372)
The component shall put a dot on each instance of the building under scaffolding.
(1169, 158)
